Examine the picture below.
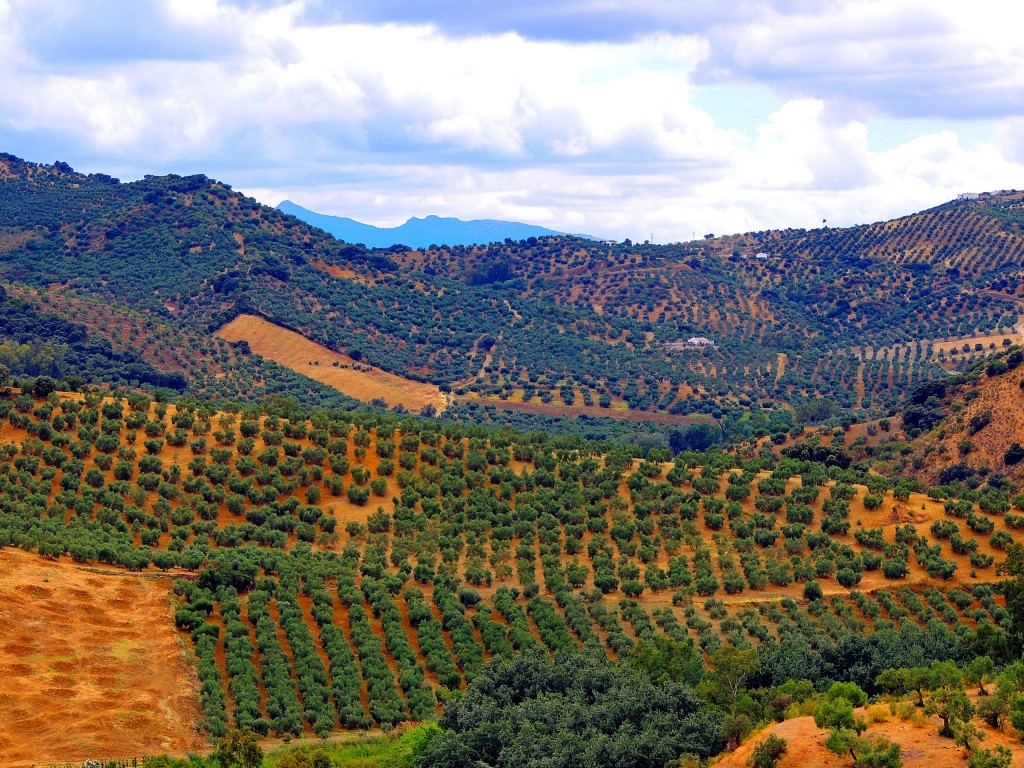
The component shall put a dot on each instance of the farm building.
(696, 342)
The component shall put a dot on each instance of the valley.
(301, 488)
(860, 314)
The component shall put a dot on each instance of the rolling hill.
(805, 324)
(222, 466)
(340, 571)
(784, 352)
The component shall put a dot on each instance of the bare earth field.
(985, 341)
(90, 665)
(920, 744)
(296, 352)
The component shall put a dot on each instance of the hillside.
(918, 739)
(350, 569)
(342, 372)
(805, 324)
(966, 427)
(875, 304)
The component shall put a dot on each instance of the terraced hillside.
(852, 318)
(340, 570)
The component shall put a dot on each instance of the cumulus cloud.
(365, 88)
(567, 20)
(578, 115)
(797, 148)
(905, 59)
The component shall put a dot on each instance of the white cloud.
(1009, 138)
(382, 120)
(402, 88)
(798, 148)
(908, 58)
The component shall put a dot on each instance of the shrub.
(872, 500)
(632, 588)
(1014, 454)
(812, 590)
(1000, 757)
(895, 568)
(767, 753)
(358, 496)
(978, 422)
(848, 577)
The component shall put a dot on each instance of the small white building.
(967, 196)
(697, 342)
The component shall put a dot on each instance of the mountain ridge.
(418, 232)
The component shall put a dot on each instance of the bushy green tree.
(43, 386)
(238, 749)
(952, 706)
(731, 668)
(1013, 567)
(665, 659)
(768, 753)
(574, 709)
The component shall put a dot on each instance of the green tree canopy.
(574, 709)
(238, 749)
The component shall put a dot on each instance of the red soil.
(920, 745)
(91, 665)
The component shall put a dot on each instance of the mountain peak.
(419, 232)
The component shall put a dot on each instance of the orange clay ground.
(296, 352)
(91, 663)
(571, 411)
(919, 741)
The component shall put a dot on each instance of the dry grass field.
(90, 663)
(355, 379)
(918, 739)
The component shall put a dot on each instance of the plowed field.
(91, 665)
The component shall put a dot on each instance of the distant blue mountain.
(418, 233)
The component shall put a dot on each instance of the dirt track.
(90, 665)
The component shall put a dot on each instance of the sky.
(647, 119)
